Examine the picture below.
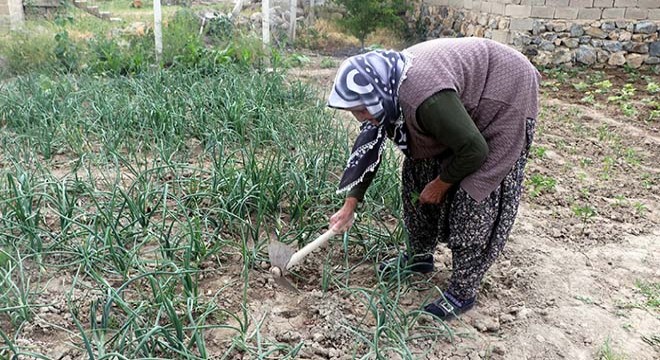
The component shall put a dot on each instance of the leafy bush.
(120, 56)
(66, 51)
(221, 28)
(364, 16)
(181, 41)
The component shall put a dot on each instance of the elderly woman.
(462, 111)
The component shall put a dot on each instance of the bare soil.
(568, 285)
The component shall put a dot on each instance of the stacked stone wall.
(4, 14)
(595, 33)
(11, 14)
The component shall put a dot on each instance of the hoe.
(283, 257)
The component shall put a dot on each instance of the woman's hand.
(342, 220)
(434, 192)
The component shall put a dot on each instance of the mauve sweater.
(498, 87)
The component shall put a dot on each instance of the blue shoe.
(448, 306)
(422, 264)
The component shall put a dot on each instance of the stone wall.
(594, 33)
(11, 14)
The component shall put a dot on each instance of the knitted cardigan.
(498, 87)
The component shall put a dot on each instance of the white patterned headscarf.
(371, 81)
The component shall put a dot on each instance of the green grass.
(607, 353)
(651, 292)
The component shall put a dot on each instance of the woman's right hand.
(342, 220)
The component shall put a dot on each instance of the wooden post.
(265, 22)
(293, 6)
(158, 30)
(311, 12)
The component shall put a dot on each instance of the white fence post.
(293, 5)
(158, 29)
(265, 21)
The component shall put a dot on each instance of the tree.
(364, 16)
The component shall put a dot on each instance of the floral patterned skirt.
(475, 231)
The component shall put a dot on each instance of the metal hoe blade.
(279, 255)
(283, 256)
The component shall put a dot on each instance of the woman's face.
(362, 115)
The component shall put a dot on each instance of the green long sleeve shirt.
(444, 117)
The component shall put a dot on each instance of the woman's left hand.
(434, 192)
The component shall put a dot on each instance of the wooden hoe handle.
(318, 242)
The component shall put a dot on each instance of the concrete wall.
(595, 33)
(11, 14)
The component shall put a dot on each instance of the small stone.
(480, 325)
(523, 313)
(318, 337)
(635, 61)
(596, 32)
(406, 301)
(625, 36)
(654, 48)
(608, 26)
(652, 60)
(507, 318)
(646, 27)
(333, 353)
(320, 350)
(576, 30)
(559, 26)
(530, 50)
(550, 36)
(522, 40)
(540, 338)
(562, 56)
(498, 349)
(617, 59)
(288, 337)
(487, 324)
(612, 46)
(638, 48)
(571, 43)
(613, 35)
(543, 58)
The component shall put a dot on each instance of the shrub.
(364, 16)
(123, 56)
